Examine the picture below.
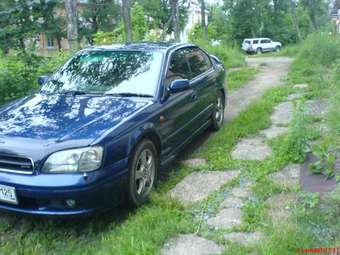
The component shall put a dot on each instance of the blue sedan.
(103, 124)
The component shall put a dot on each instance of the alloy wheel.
(145, 172)
(219, 114)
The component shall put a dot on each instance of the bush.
(320, 48)
(230, 56)
(18, 73)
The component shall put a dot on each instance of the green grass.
(237, 78)
(145, 230)
(249, 122)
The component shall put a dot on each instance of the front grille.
(15, 164)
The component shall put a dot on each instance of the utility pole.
(72, 24)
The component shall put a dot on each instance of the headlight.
(76, 160)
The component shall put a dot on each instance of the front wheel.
(142, 173)
(277, 48)
(218, 114)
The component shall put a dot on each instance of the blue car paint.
(41, 124)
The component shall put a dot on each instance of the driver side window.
(178, 67)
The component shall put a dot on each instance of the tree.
(160, 15)
(52, 24)
(175, 18)
(139, 25)
(204, 25)
(127, 20)
(295, 20)
(98, 15)
(18, 23)
(72, 24)
(317, 10)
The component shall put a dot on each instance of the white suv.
(259, 45)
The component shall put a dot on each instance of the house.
(47, 44)
(194, 18)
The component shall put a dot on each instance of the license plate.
(7, 194)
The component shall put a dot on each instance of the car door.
(203, 79)
(178, 110)
(265, 44)
(255, 44)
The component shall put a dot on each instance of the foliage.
(98, 15)
(22, 21)
(325, 152)
(320, 48)
(299, 135)
(237, 78)
(18, 21)
(333, 115)
(18, 73)
(286, 21)
(115, 36)
(139, 25)
(230, 56)
(159, 13)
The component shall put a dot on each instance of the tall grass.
(318, 64)
(230, 55)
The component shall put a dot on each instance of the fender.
(147, 130)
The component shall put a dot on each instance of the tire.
(142, 173)
(218, 114)
(277, 48)
(259, 51)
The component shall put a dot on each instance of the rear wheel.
(142, 173)
(259, 51)
(218, 114)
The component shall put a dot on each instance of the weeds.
(325, 152)
(235, 79)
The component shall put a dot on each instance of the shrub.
(320, 48)
(229, 55)
(18, 73)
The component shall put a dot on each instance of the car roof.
(257, 38)
(147, 46)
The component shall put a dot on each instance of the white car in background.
(259, 45)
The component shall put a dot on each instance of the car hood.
(60, 117)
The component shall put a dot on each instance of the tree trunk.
(175, 19)
(204, 24)
(295, 20)
(59, 43)
(72, 24)
(22, 44)
(126, 10)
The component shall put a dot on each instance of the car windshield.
(109, 72)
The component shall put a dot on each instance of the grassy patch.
(147, 230)
(237, 78)
(249, 122)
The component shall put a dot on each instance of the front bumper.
(49, 194)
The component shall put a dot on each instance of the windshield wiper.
(77, 92)
(128, 94)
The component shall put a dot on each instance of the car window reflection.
(108, 72)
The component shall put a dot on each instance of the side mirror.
(43, 79)
(179, 85)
